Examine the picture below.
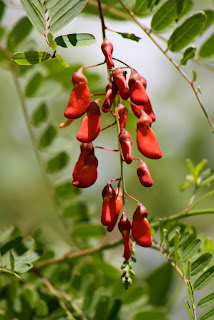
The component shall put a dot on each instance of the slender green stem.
(202, 198)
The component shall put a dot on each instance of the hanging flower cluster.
(85, 170)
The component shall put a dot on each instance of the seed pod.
(109, 205)
(111, 92)
(140, 227)
(119, 77)
(122, 113)
(91, 124)
(126, 145)
(107, 49)
(144, 175)
(118, 205)
(79, 98)
(125, 226)
(146, 108)
(137, 89)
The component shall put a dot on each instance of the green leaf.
(2, 9)
(192, 170)
(200, 263)
(48, 136)
(52, 42)
(39, 115)
(34, 16)
(12, 262)
(61, 60)
(207, 181)
(49, 88)
(208, 315)
(194, 75)
(189, 53)
(161, 226)
(2, 32)
(64, 12)
(187, 32)
(141, 6)
(24, 262)
(66, 190)
(19, 33)
(189, 310)
(88, 231)
(130, 36)
(206, 301)
(207, 48)
(75, 40)
(200, 167)
(76, 212)
(184, 186)
(202, 281)
(33, 85)
(210, 19)
(102, 308)
(176, 246)
(151, 315)
(58, 162)
(115, 308)
(5, 234)
(191, 250)
(30, 57)
(167, 14)
(41, 309)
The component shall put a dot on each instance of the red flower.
(109, 205)
(119, 77)
(126, 145)
(118, 205)
(107, 49)
(125, 226)
(140, 227)
(91, 124)
(146, 107)
(80, 96)
(144, 174)
(122, 113)
(111, 92)
(137, 89)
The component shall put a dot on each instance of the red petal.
(127, 245)
(146, 107)
(137, 93)
(108, 211)
(78, 102)
(118, 202)
(90, 128)
(122, 112)
(127, 151)
(141, 232)
(85, 177)
(147, 142)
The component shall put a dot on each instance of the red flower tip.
(137, 89)
(141, 232)
(135, 76)
(107, 49)
(126, 145)
(122, 112)
(125, 226)
(140, 213)
(109, 205)
(78, 77)
(119, 77)
(91, 124)
(144, 174)
(111, 92)
(118, 203)
(147, 142)
(146, 107)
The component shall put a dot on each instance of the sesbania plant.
(81, 284)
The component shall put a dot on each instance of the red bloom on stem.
(118, 205)
(79, 98)
(109, 205)
(146, 108)
(125, 226)
(111, 92)
(137, 89)
(85, 170)
(107, 49)
(119, 77)
(126, 145)
(146, 140)
(144, 174)
(91, 124)
(140, 227)
(122, 113)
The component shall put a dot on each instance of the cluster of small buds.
(85, 170)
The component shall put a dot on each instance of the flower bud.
(78, 77)
(118, 205)
(140, 227)
(91, 124)
(107, 49)
(122, 113)
(119, 77)
(109, 205)
(126, 145)
(144, 175)
(125, 226)
(137, 89)
(111, 92)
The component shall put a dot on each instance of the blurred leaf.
(208, 180)
(159, 284)
(208, 315)
(189, 53)
(207, 48)
(202, 281)
(133, 294)
(189, 310)
(10, 244)
(34, 16)
(206, 301)
(5, 234)
(115, 308)
(130, 36)
(88, 231)
(88, 292)
(3, 56)
(187, 32)
(2, 32)
(2, 9)
(208, 245)
(52, 42)
(210, 19)
(184, 186)
(57, 163)
(190, 251)
(194, 75)
(75, 40)
(49, 89)
(64, 12)
(41, 309)
(102, 308)
(33, 85)
(141, 6)
(151, 315)
(61, 60)
(19, 32)
(48, 136)
(12, 262)
(192, 170)
(66, 190)
(39, 115)
(200, 263)
(77, 212)
(30, 57)
(200, 167)
(176, 246)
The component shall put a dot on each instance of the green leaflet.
(57, 163)
(202, 281)
(191, 250)
(200, 263)
(189, 53)
(75, 40)
(19, 32)
(48, 136)
(206, 301)
(187, 32)
(30, 57)
(34, 16)
(39, 115)
(66, 190)
(207, 48)
(208, 315)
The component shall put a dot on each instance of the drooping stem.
(102, 19)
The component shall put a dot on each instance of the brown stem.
(108, 149)
(102, 19)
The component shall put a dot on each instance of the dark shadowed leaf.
(66, 190)
(2, 9)
(187, 32)
(76, 212)
(130, 36)
(5, 234)
(19, 33)
(33, 85)
(202, 281)
(200, 263)
(189, 53)
(141, 6)
(151, 315)
(88, 231)
(191, 250)
(41, 309)
(206, 301)
(207, 48)
(58, 162)
(39, 115)
(75, 40)
(102, 305)
(48, 136)
(30, 57)
(208, 315)
(114, 309)
(34, 15)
